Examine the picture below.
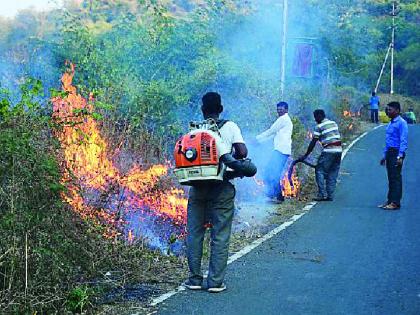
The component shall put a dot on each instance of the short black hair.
(283, 104)
(395, 105)
(212, 103)
(373, 93)
(319, 113)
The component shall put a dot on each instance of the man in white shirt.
(281, 132)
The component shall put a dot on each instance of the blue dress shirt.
(396, 135)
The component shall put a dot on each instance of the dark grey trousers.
(214, 202)
(374, 115)
(326, 173)
(394, 177)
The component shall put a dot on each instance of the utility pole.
(392, 47)
(390, 50)
(283, 49)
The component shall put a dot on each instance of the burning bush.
(96, 189)
(46, 249)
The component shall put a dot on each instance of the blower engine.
(197, 154)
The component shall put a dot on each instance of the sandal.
(392, 206)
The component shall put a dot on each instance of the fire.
(89, 171)
(289, 190)
(309, 134)
(130, 236)
(346, 113)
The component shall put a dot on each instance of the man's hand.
(302, 158)
(382, 162)
(399, 161)
(241, 151)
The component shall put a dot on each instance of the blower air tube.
(292, 167)
(242, 168)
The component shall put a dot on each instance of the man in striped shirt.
(326, 171)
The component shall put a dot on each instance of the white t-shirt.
(281, 130)
(231, 134)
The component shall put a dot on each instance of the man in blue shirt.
(394, 154)
(374, 108)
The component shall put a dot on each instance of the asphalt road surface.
(343, 257)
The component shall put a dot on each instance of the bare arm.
(241, 151)
(310, 147)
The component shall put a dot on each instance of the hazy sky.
(9, 8)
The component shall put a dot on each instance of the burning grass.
(124, 205)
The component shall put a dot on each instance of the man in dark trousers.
(216, 202)
(374, 102)
(394, 154)
(326, 171)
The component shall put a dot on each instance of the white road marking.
(264, 238)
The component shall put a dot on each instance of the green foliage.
(29, 191)
(78, 299)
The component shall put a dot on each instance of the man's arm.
(310, 148)
(275, 127)
(241, 167)
(241, 151)
(403, 130)
(238, 142)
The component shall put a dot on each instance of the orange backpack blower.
(197, 154)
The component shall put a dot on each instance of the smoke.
(158, 80)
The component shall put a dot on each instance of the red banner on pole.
(302, 64)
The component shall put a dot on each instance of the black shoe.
(319, 199)
(218, 289)
(392, 206)
(192, 286)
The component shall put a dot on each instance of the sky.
(9, 8)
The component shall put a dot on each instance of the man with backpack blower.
(211, 199)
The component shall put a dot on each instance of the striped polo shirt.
(327, 133)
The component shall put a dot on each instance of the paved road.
(345, 257)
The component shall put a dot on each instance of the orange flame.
(289, 190)
(346, 113)
(87, 165)
(130, 236)
(309, 134)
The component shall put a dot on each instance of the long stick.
(26, 263)
(383, 67)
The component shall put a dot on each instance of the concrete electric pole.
(392, 47)
(390, 50)
(283, 49)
